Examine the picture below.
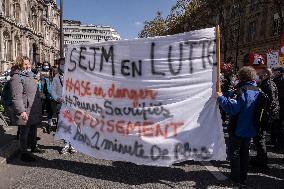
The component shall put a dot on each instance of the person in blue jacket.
(242, 127)
(44, 86)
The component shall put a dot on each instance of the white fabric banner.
(147, 101)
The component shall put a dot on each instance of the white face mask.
(257, 78)
(46, 67)
(27, 71)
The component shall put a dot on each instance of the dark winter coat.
(26, 98)
(279, 81)
(270, 89)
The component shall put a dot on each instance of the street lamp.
(61, 31)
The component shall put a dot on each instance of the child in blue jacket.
(44, 86)
(242, 126)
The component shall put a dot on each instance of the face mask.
(236, 82)
(257, 78)
(27, 71)
(61, 67)
(46, 67)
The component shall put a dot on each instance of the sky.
(125, 16)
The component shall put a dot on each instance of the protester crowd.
(28, 96)
(252, 105)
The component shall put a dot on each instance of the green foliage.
(156, 27)
(2, 108)
(185, 15)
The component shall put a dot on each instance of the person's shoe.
(48, 129)
(53, 128)
(242, 184)
(72, 150)
(37, 150)
(65, 149)
(27, 157)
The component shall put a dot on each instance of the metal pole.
(61, 31)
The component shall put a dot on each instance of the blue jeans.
(239, 158)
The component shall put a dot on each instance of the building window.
(251, 31)
(6, 8)
(34, 21)
(17, 10)
(276, 25)
(46, 11)
(253, 4)
(51, 13)
(235, 10)
(7, 47)
(17, 47)
(33, 18)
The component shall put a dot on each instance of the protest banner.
(147, 101)
(273, 59)
(281, 52)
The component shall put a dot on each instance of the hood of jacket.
(244, 83)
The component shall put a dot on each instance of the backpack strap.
(60, 81)
(250, 88)
(23, 83)
(245, 88)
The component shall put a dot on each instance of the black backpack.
(6, 95)
(261, 110)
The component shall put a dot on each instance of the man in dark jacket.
(270, 89)
(279, 125)
(242, 125)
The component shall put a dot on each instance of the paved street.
(52, 170)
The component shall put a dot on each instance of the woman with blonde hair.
(27, 106)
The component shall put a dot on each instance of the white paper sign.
(147, 101)
(273, 59)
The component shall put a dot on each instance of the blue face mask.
(61, 67)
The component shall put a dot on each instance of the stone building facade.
(29, 28)
(257, 24)
(75, 32)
